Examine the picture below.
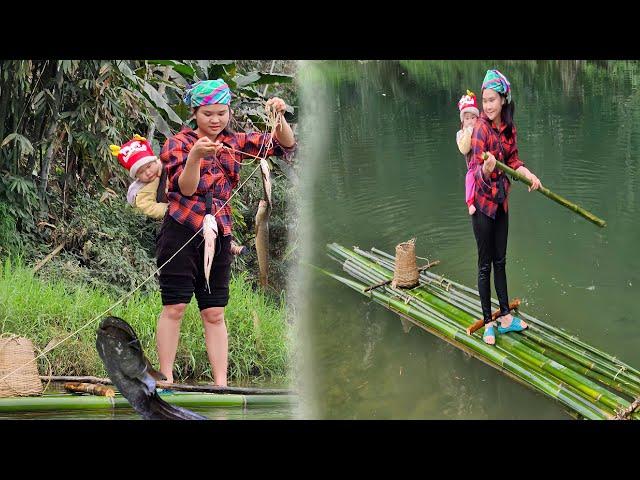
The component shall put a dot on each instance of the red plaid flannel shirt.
(486, 138)
(219, 175)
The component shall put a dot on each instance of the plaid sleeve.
(255, 143)
(174, 156)
(477, 149)
(514, 159)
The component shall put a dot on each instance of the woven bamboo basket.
(405, 274)
(15, 352)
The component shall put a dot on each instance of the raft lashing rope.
(588, 382)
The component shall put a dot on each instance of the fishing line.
(134, 290)
(153, 274)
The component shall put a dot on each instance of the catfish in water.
(130, 371)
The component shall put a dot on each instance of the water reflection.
(390, 171)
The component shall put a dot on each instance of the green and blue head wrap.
(498, 82)
(207, 92)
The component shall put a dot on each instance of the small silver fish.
(210, 233)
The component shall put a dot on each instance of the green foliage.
(47, 312)
(20, 200)
(107, 245)
(10, 243)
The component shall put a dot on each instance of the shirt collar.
(502, 124)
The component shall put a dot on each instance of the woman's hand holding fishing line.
(283, 132)
(203, 147)
(276, 104)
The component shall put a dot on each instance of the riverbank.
(48, 311)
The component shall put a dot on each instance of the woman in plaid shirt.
(495, 134)
(201, 176)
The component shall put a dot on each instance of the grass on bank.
(49, 311)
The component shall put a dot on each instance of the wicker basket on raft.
(405, 274)
(15, 352)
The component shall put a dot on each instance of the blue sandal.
(516, 326)
(489, 331)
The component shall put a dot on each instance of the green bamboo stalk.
(578, 352)
(496, 358)
(553, 196)
(539, 362)
(619, 378)
(91, 402)
(548, 341)
(614, 360)
(573, 378)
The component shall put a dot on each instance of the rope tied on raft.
(405, 274)
(624, 414)
(622, 369)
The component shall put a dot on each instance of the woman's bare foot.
(472, 209)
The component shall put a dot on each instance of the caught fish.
(262, 240)
(266, 180)
(130, 371)
(210, 232)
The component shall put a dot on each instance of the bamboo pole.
(495, 356)
(92, 388)
(480, 322)
(91, 402)
(553, 196)
(532, 356)
(533, 363)
(178, 386)
(620, 374)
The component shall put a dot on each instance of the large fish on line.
(262, 240)
(130, 371)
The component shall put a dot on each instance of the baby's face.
(469, 120)
(148, 172)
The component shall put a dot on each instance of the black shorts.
(184, 274)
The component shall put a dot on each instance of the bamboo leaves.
(25, 145)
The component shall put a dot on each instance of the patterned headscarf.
(498, 82)
(207, 92)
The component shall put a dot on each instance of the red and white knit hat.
(134, 154)
(468, 103)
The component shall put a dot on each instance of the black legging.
(491, 237)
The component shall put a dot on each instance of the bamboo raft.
(590, 383)
(66, 402)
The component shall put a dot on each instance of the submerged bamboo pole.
(553, 196)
